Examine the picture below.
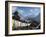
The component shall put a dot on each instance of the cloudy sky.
(33, 12)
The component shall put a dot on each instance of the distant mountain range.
(26, 19)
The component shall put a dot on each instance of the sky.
(33, 12)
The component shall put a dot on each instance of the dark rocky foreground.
(31, 27)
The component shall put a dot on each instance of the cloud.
(14, 9)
